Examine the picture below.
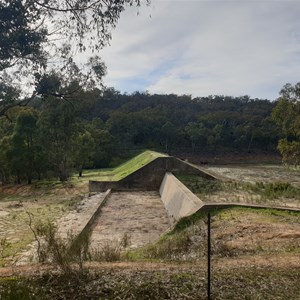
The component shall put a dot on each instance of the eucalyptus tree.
(287, 115)
(39, 35)
(23, 146)
(56, 130)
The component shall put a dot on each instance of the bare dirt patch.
(239, 232)
(259, 173)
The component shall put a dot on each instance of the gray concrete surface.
(179, 201)
(139, 215)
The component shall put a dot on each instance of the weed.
(14, 288)
(223, 249)
(126, 240)
(110, 251)
(4, 245)
(61, 252)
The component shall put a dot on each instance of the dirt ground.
(140, 216)
(241, 232)
(256, 173)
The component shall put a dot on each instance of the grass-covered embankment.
(124, 169)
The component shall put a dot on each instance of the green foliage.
(168, 248)
(77, 128)
(18, 37)
(26, 46)
(84, 151)
(4, 245)
(290, 151)
(16, 288)
(287, 115)
(197, 133)
(23, 154)
(57, 132)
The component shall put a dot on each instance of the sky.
(201, 48)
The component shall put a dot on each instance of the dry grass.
(158, 282)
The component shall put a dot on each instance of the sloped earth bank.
(140, 217)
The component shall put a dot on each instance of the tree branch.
(23, 102)
(71, 9)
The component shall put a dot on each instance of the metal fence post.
(208, 256)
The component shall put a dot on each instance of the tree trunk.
(63, 177)
(18, 179)
(250, 144)
(193, 146)
(29, 178)
(63, 172)
(3, 178)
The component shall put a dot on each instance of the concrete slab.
(141, 215)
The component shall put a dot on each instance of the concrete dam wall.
(149, 177)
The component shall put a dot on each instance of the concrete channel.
(141, 216)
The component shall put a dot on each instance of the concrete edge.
(209, 206)
(88, 228)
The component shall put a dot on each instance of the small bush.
(110, 251)
(199, 185)
(51, 248)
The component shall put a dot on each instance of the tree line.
(53, 137)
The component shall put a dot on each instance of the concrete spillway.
(178, 200)
(141, 215)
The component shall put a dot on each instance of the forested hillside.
(93, 129)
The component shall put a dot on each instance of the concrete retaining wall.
(179, 201)
(84, 235)
(149, 177)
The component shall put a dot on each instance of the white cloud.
(206, 47)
